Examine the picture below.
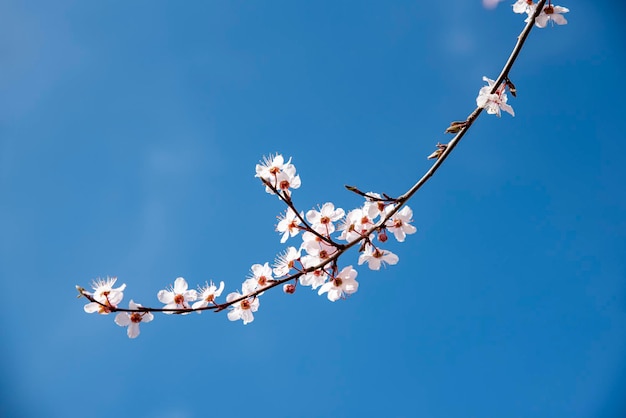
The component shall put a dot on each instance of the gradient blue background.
(129, 131)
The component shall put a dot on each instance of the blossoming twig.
(319, 267)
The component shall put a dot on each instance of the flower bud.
(289, 288)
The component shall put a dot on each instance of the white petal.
(133, 330)
(91, 307)
(334, 294)
(219, 291)
(190, 295)
(232, 296)
(247, 317)
(122, 319)
(200, 304)
(165, 296)
(559, 19)
(180, 286)
(234, 315)
(325, 288)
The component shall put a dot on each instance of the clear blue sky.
(129, 131)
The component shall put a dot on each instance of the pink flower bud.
(289, 288)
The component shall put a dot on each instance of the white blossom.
(314, 278)
(133, 319)
(261, 276)
(106, 295)
(207, 295)
(399, 223)
(340, 286)
(288, 225)
(356, 223)
(375, 257)
(553, 13)
(286, 261)
(177, 296)
(493, 102)
(280, 174)
(242, 309)
(322, 221)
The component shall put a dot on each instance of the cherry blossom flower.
(316, 246)
(105, 294)
(340, 286)
(399, 223)
(207, 295)
(373, 207)
(288, 225)
(242, 309)
(280, 174)
(286, 261)
(287, 180)
(355, 224)
(177, 296)
(375, 257)
(314, 278)
(322, 221)
(553, 13)
(261, 277)
(133, 319)
(524, 6)
(493, 102)
(271, 167)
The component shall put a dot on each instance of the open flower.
(373, 206)
(286, 261)
(314, 278)
(524, 6)
(207, 295)
(493, 102)
(340, 286)
(288, 225)
(322, 221)
(133, 319)
(280, 174)
(355, 224)
(316, 246)
(270, 167)
(399, 223)
(553, 13)
(242, 309)
(106, 295)
(261, 276)
(375, 257)
(177, 296)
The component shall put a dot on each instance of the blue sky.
(129, 132)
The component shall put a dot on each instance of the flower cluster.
(277, 174)
(548, 13)
(105, 299)
(494, 101)
(314, 262)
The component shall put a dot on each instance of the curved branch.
(398, 203)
